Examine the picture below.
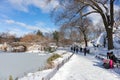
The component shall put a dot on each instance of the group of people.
(112, 59)
(77, 49)
(111, 56)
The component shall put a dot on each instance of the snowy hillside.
(102, 39)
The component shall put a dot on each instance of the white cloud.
(23, 5)
(38, 26)
(29, 27)
(16, 30)
(3, 16)
(10, 21)
(19, 5)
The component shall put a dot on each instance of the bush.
(50, 64)
(53, 57)
(10, 77)
(49, 49)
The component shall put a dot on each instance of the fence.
(53, 72)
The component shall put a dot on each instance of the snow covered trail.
(83, 68)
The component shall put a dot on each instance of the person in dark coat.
(85, 51)
(112, 57)
(108, 55)
(76, 49)
(80, 49)
(71, 48)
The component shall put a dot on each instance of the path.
(83, 68)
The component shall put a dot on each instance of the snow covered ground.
(84, 68)
(79, 67)
(102, 40)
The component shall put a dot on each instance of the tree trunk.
(85, 39)
(108, 23)
(110, 39)
(109, 30)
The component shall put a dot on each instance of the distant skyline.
(24, 16)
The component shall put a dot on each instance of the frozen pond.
(19, 64)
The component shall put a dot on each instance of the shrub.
(50, 64)
(50, 49)
(53, 57)
(10, 77)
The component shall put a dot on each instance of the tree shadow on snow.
(98, 64)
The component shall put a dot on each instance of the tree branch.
(97, 6)
(103, 4)
(89, 13)
(78, 12)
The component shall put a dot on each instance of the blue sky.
(24, 16)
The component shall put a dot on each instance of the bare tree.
(106, 12)
(32, 38)
(7, 37)
(70, 32)
(84, 29)
(67, 18)
(103, 7)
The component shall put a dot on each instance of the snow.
(116, 40)
(64, 57)
(84, 68)
(35, 51)
(100, 40)
(102, 37)
(79, 67)
(36, 76)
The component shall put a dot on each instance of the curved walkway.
(83, 68)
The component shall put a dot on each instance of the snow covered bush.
(10, 77)
(50, 64)
(53, 57)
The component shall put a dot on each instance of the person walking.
(76, 49)
(80, 49)
(85, 51)
(72, 48)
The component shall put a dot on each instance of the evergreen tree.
(39, 33)
(56, 36)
